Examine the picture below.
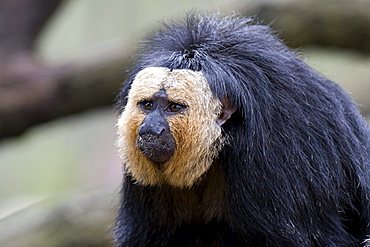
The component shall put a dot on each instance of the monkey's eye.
(146, 105)
(175, 107)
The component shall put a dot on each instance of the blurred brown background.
(61, 64)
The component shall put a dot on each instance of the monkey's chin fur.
(197, 135)
(183, 170)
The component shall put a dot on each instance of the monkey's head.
(170, 129)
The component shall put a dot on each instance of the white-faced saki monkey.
(228, 139)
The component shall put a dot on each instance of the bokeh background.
(61, 64)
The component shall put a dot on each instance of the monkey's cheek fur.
(158, 149)
(198, 146)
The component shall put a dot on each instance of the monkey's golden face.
(169, 130)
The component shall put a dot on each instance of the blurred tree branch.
(21, 21)
(339, 23)
(32, 92)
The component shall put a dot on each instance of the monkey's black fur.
(297, 166)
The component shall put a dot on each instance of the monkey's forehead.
(178, 83)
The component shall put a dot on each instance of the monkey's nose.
(157, 148)
(155, 129)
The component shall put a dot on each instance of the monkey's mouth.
(158, 149)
